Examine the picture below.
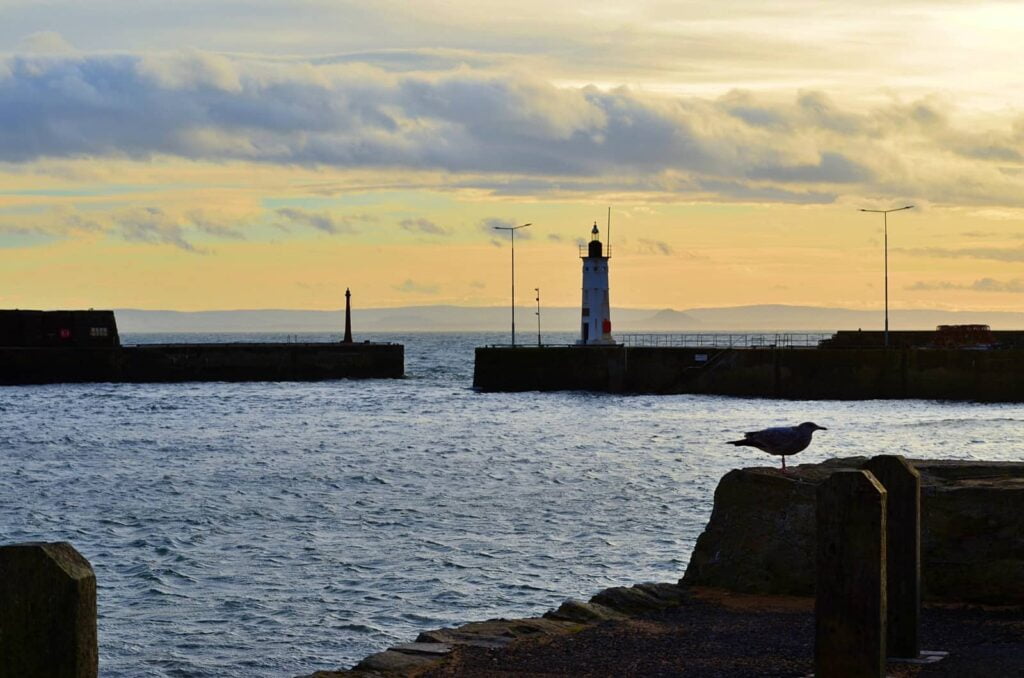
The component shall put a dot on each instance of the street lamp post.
(537, 290)
(885, 235)
(512, 232)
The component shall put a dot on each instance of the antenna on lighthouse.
(609, 229)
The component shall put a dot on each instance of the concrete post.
(849, 608)
(47, 612)
(902, 484)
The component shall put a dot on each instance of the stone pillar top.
(47, 612)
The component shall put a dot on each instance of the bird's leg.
(783, 463)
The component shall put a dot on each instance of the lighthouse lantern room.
(597, 325)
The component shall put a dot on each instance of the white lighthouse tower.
(597, 323)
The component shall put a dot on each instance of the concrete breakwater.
(798, 373)
(761, 536)
(200, 362)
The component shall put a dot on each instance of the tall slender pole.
(513, 288)
(885, 249)
(512, 232)
(608, 232)
(348, 318)
(538, 315)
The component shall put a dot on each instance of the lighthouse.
(597, 324)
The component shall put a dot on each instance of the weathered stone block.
(902, 484)
(760, 538)
(849, 606)
(47, 612)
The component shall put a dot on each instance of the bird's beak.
(821, 428)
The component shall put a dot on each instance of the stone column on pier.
(902, 484)
(849, 606)
(348, 318)
(47, 612)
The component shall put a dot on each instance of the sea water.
(273, 529)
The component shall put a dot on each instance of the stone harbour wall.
(798, 373)
(202, 362)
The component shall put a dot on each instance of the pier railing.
(724, 340)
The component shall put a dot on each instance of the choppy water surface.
(275, 529)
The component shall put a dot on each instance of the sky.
(219, 154)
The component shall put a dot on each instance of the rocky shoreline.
(430, 647)
(758, 548)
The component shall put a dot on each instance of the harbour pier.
(843, 366)
(46, 347)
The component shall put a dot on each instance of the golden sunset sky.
(215, 154)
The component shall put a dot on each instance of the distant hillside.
(403, 319)
(669, 319)
(562, 319)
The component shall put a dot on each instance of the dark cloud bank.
(209, 107)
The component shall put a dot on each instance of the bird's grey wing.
(774, 438)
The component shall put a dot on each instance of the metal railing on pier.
(724, 340)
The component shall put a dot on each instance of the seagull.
(782, 440)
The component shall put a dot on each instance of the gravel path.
(717, 634)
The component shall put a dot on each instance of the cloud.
(138, 224)
(830, 167)
(422, 225)
(412, 287)
(321, 221)
(655, 247)
(924, 286)
(988, 235)
(45, 42)
(220, 228)
(486, 125)
(1012, 254)
(737, 190)
(1014, 286)
(498, 229)
(9, 229)
(413, 60)
(190, 70)
(152, 225)
(18, 237)
(64, 221)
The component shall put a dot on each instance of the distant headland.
(446, 318)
